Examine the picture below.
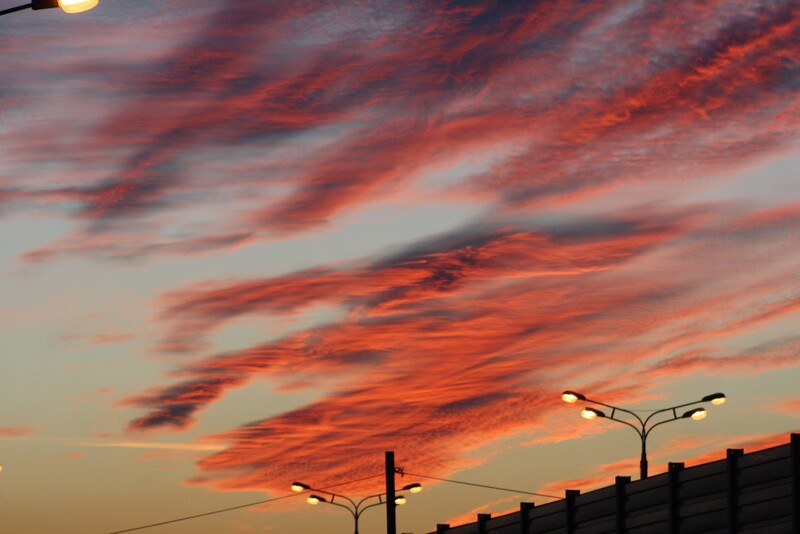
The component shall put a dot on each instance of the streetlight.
(355, 508)
(643, 430)
(69, 6)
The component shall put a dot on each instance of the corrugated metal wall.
(745, 493)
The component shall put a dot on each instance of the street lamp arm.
(634, 427)
(617, 409)
(68, 6)
(378, 495)
(361, 511)
(15, 9)
(647, 432)
(671, 409)
(345, 497)
(352, 512)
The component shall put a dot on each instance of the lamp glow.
(400, 500)
(571, 397)
(413, 488)
(297, 487)
(591, 413)
(315, 499)
(77, 6)
(697, 414)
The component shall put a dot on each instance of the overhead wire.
(282, 497)
(483, 486)
(239, 507)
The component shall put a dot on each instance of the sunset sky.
(246, 242)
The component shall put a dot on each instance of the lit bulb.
(569, 397)
(313, 500)
(718, 401)
(588, 413)
(699, 414)
(399, 500)
(77, 6)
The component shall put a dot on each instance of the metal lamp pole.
(646, 425)
(355, 508)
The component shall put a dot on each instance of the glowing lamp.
(299, 486)
(413, 488)
(591, 413)
(572, 397)
(716, 399)
(399, 500)
(77, 6)
(697, 414)
(315, 499)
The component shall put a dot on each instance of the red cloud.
(418, 277)
(459, 340)
(790, 406)
(311, 128)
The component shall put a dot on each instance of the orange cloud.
(16, 431)
(463, 339)
(550, 94)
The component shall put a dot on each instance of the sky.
(244, 243)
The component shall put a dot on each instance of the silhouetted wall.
(745, 493)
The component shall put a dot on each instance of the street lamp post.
(69, 6)
(642, 429)
(355, 508)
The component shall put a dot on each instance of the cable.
(186, 518)
(484, 486)
(237, 507)
(202, 515)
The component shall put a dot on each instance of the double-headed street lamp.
(642, 429)
(69, 6)
(355, 508)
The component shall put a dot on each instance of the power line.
(202, 515)
(186, 518)
(248, 505)
(483, 486)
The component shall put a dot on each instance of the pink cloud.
(790, 406)
(459, 340)
(363, 112)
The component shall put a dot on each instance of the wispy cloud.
(194, 447)
(262, 120)
(366, 110)
(460, 340)
(16, 431)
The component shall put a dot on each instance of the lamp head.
(716, 399)
(697, 414)
(591, 413)
(68, 6)
(413, 488)
(315, 499)
(572, 396)
(299, 487)
(399, 500)
(77, 6)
